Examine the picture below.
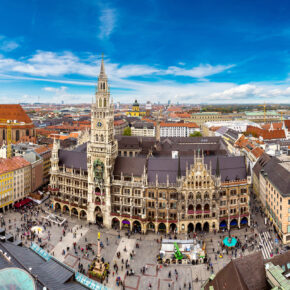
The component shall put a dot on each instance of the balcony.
(99, 194)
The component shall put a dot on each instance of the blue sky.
(183, 51)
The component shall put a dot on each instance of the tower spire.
(102, 71)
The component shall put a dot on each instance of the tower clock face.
(100, 124)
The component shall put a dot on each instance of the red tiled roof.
(275, 126)
(174, 109)
(287, 124)
(179, 115)
(11, 164)
(13, 112)
(266, 134)
(257, 152)
(214, 128)
(41, 149)
(118, 122)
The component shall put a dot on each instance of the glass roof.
(17, 279)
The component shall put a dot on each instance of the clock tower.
(102, 150)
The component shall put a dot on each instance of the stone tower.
(102, 151)
(54, 165)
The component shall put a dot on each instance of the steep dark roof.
(51, 273)
(73, 159)
(247, 273)
(230, 167)
(262, 161)
(129, 166)
(278, 175)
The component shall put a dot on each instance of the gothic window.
(206, 195)
(105, 103)
(190, 196)
(97, 137)
(198, 195)
(100, 102)
(102, 138)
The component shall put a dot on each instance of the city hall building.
(175, 184)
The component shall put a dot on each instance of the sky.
(158, 50)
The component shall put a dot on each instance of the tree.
(127, 131)
(195, 134)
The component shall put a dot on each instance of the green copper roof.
(15, 278)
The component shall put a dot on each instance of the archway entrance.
(151, 227)
(83, 214)
(115, 224)
(206, 227)
(223, 225)
(173, 227)
(65, 209)
(162, 228)
(190, 228)
(99, 216)
(234, 223)
(57, 206)
(244, 221)
(137, 227)
(125, 225)
(74, 212)
(198, 227)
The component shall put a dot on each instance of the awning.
(126, 222)
(233, 223)
(223, 224)
(22, 203)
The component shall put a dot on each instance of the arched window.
(100, 102)
(97, 138)
(105, 102)
(27, 132)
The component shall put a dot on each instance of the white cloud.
(201, 71)
(52, 67)
(7, 44)
(107, 21)
(59, 90)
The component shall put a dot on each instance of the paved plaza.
(80, 256)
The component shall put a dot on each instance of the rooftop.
(11, 164)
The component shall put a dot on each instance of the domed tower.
(136, 109)
(102, 151)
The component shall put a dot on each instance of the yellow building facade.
(135, 112)
(6, 189)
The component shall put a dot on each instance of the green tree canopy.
(127, 131)
(195, 134)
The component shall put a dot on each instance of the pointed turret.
(249, 170)
(179, 168)
(217, 170)
(102, 74)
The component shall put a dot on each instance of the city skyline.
(186, 53)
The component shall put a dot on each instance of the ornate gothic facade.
(148, 184)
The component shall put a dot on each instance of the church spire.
(102, 74)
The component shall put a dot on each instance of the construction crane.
(264, 111)
(281, 116)
(9, 140)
